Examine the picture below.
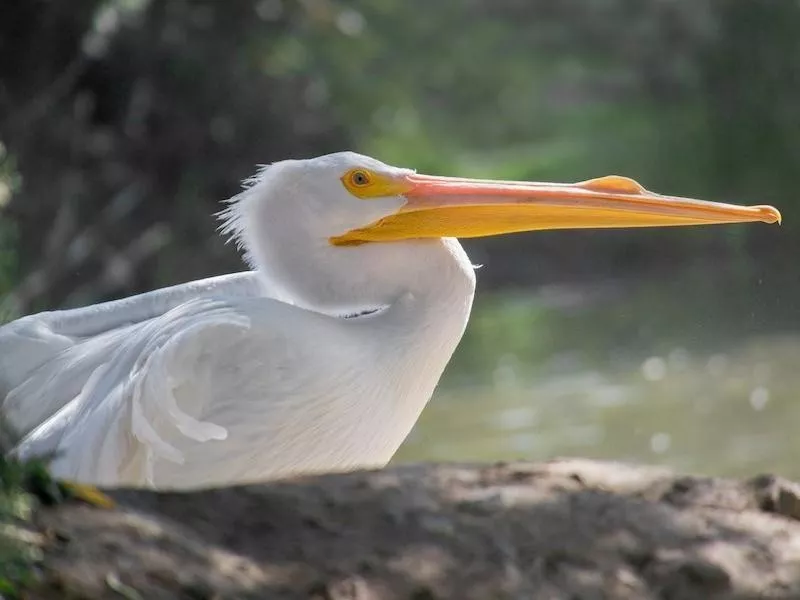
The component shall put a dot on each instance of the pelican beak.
(457, 207)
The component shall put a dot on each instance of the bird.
(320, 355)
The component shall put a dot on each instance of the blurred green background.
(123, 123)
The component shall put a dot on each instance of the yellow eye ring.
(360, 178)
(366, 184)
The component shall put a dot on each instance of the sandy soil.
(569, 529)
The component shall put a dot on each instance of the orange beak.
(458, 207)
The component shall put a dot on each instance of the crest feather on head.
(233, 217)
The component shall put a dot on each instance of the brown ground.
(570, 529)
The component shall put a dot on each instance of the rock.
(778, 495)
(570, 529)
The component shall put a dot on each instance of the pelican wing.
(46, 359)
(122, 419)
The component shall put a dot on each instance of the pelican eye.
(366, 184)
(359, 178)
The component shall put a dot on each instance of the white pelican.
(322, 356)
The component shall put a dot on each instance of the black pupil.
(360, 178)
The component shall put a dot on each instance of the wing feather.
(126, 416)
(47, 358)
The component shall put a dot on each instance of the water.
(698, 370)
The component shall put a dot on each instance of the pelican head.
(326, 207)
(351, 199)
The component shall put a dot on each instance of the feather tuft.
(232, 217)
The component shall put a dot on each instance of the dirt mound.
(569, 529)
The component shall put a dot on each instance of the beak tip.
(770, 214)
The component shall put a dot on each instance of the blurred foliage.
(18, 554)
(129, 120)
(9, 183)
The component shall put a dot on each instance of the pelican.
(320, 357)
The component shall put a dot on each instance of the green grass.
(24, 486)
(18, 555)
